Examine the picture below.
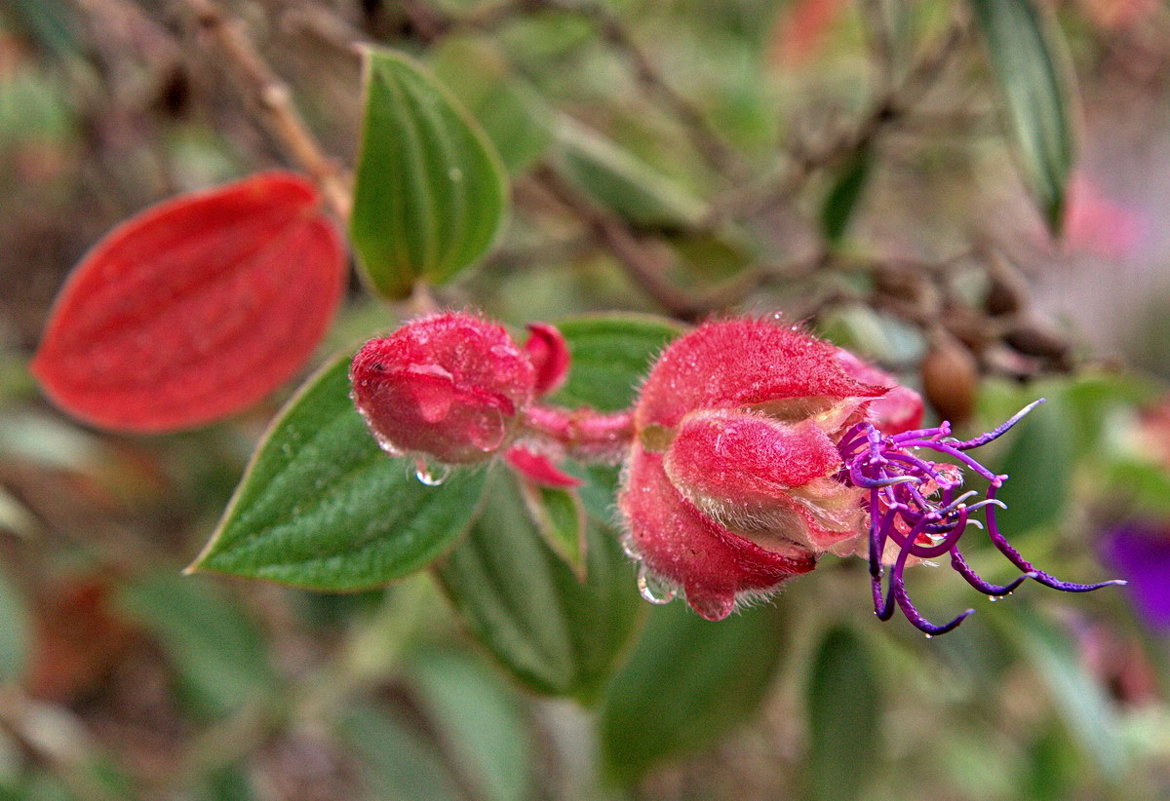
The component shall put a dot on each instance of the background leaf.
(611, 354)
(399, 760)
(431, 193)
(322, 506)
(477, 716)
(551, 631)
(1033, 80)
(1075, 691)
(844, 717)
(195, 308)
(687, 683)
(621, 182)
(844, 195)
(216, 649)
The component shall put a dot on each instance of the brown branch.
(644, 267)
(704, 138)
(888, 109)
(274, 99)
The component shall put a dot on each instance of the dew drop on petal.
(652, 588)
(487, 431)
(431, 473)
(434, 396)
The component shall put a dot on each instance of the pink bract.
(732, 485)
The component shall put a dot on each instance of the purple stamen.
(912, 498)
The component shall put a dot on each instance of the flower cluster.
(753, 449)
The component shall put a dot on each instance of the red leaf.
(196, 308)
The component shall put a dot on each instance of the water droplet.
(433, 393)
(455, 174)
(431, 473)
(929, 636)
(994, 598)
(652, 588)
(629, 550)
(487, 431)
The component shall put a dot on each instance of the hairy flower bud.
(732, 487)
(451, 386)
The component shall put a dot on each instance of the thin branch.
(704, 138)
(888, 108)
(274, 99)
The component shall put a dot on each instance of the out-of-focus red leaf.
(78, 638)
(196, 308)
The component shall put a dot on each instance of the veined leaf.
(550, 630)
(1034, 82)
(431, 193)
(322, 506)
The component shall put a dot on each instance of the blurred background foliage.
(888, 170)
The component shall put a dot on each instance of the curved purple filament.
(917, 504)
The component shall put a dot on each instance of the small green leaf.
(559, 516)
(687, 683)
(477, 716)
(844, 717)
(1034, 81)
(214, 646)
(322, 506)
(846, 192)
(621, 182)
(611, 354)
(431, 194)
(551, 631)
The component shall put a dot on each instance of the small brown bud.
(950, 377)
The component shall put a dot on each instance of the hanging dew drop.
(431, 474)
(652, 588)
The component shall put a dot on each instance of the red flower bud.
(451, 386)
(732, 486)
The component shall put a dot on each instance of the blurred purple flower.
(1140, 552)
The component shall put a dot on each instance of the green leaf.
(431, 194)
(322, 506)
(559, 516)
(213, 645)
(1039, 464)
(1033, 79)
(844, 717)
(621, 182)
(400, 761)
(526, 606)
(843, 197)
(14, 634)
(1078, 694)
(512, 114)
(477, 716)
(687, 683)
(611, 354)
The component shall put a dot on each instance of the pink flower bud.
(733, 484)
(451, 386)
